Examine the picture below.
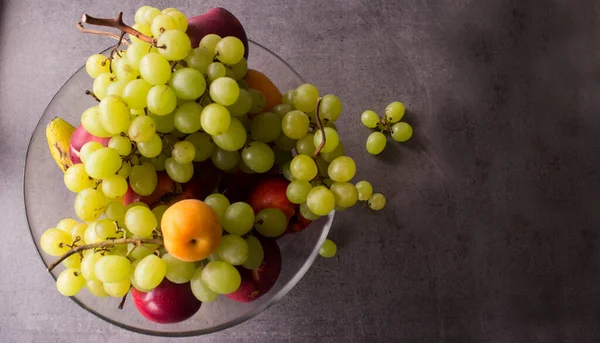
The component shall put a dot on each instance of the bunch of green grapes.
(390, 122)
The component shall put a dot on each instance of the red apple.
(219, 21)
(168, 303)
(297, 223)
(271, 193)
(257, 282)
(237, 186)
(79, 138)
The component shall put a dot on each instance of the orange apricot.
(257, 80)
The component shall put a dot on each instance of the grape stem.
(104, 244)
(122, 303)
(102, 33)
(90, 93)
(116, 23)
(320, 126)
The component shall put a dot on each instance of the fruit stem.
(320, 126)
(102, 33)
(122, 303)
(90, 93)
(104, 244)
(117, 23)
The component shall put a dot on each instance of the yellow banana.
(58, 134)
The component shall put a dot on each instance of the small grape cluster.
(390, 122)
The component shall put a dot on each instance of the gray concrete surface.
(491, 229)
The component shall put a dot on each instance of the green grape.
(322, 166)
(120, 144)
(224, 91)
(179, 172)
(164, 124)
(281, 110)
(117, 289)
(233, 249)
(394, 112)
(115, 210)
(54, 242)
(96, 65)
(306, 213)
(303, 168)
(69, 282)
(377, 201)
(88, 263)
(401, 132)
(142, 129)
(271, 222)
(174, 45)
(121, 55)
(200, 289)
(154, 68)
(305, 145)
(288, 98)
(159, 161)
(230, 50)
(73, 261)
(245, 169)
(320, 201)
(342, 169)
(136, 51)
(256, 253)
(116, 88)
(203, 145)
(199, 59)
(87, 149)
(76, 179)
(285, 143)
(187, 117)
(143, 179)
(365, 190)
(114, 186)
(259, 101)
(105, 229)
(328, 249)
(234, 138)
(243, 84)
(161, 100)
(150, 14)
(158, 212)
(240, 69)
(150, 272)
(209, 42)
(138, 252)
(125, 71)
(265, 127)
(238, 218)
(219, 203)
(162, 24)
(215, 119)
(151, 148)
(139, 15)
(297, 191)
(330, 108)
(221, 277)
(345, 194)
(66, 224)
(331, 125)
(216, 70)
(376, 143)
(136, 92)
(369, 119)
(295, 124)
(89, 204)
(223, 159)
(137, 113)
(102, 163)
(143, 28)
(306, 97)
(242, 105)
(178, 16)
(96, 288)
(90, 119)
(111, 268)
(332, 139)
(118, 250)
(178, 271)
(101, 83)
(183, 152)
(258, 156)
(245, 121)
(89, 236)
(114, 114)
(188, 83)
(330, 156)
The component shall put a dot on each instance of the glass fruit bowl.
(47, 201)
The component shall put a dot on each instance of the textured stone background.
(491, 229)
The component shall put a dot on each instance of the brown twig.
(90, 93)
(320, 126)
(122, 303)
(102, 245)
(102, 33)
(117, 23)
